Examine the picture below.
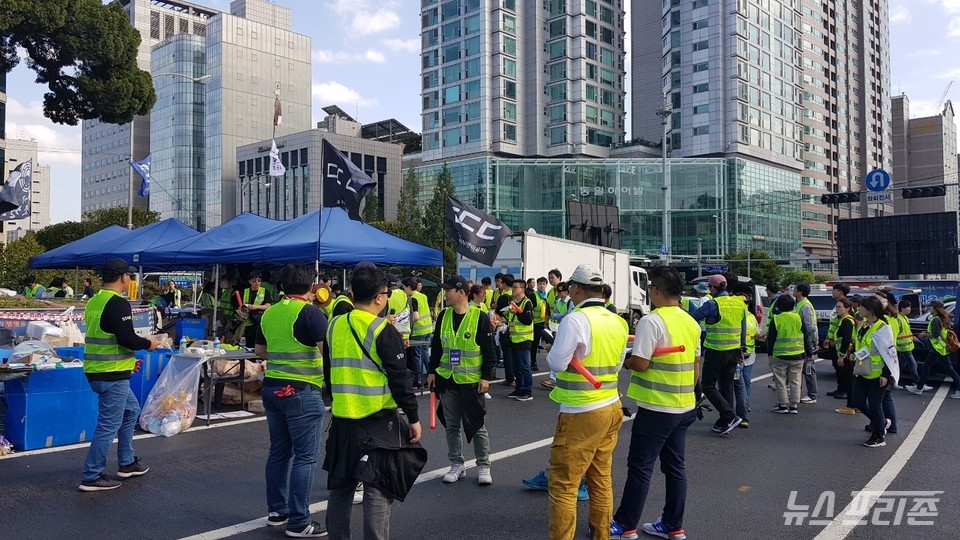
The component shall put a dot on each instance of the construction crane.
(943, 98)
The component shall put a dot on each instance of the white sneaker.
(955, 395)
(927, 388)
(456, 472)
(483, 476)
(897, 387)
(358, 494)
(486, 395)
(808, 400)
(913, 389)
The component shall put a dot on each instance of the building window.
(451, 95)
(701, 130)
(557, 92)
(471, 46)
(451, 116)
(510, 68)
(701, 24)
(510, 46)
(701, 45)
(471, 25)
(510, 89)
(558, 135)
(556, 71)
(450, 10)
(591, 114)
(557, 49)
(592, 93)
(471, 111)
(557, 114)
(451, 137)
(471, 133)
(510, 132)
(451, 31)
(699, 109)
(701, 66)
(698, 88)
(606, 118)
(607, 57)
(509, 111)
(510, 24)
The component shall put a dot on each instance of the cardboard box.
(57, 341)
(40, 329)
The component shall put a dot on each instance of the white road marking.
(844, 523)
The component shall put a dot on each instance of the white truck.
(532, 255)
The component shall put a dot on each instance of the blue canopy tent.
(76, 254)
(234, 241)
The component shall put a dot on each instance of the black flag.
(344, 184)
(15, 194)
(478, 235)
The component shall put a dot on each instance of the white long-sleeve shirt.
(574, 340)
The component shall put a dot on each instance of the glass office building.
(730, 204)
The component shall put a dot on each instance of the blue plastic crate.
(152, 364)
(191, 328)
(70, 352)
(50, 408)
(4, 354)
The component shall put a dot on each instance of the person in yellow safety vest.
(590, 418)
(174, 294)
(421, 327)
(519, 319)
(368, 380)
(741, 381)
(554, 278)
(225, 306)
(788, 351)
(257, 299)
(461, 364)
(905, 345)
(663, 386)
(840, 290)
(500, 289)
(540, 314)
(341, 305)
(478, 299)
(32, 289)
(487, 292)
(108, 361)
(808, 313)
(844, 336)
(939, 355)
(291, 341)
(607, 295)
(724, 345)
(398, 306)
(875, 368)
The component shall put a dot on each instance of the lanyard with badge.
(455, 354)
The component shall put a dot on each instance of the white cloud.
(899, 13)
(922, 53)
(952, 74)
(953, 29)
(403, 45)
(367, 17)
(334, 93)
(327, 56)
(951, 6)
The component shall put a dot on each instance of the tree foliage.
(434, 234)
(372, 209)
(59, 234)
(15, 263)
(762, 267)
(409, 211)
(85, 52)
(793, 277)
(101, 219)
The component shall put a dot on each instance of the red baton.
(433, 410)
(239, 299)
(586, 374)
(669, 350)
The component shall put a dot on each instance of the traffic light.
(840, 198)
(925, 191)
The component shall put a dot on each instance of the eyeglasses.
(381, 293)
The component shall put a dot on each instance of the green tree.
(793, 277)
(59, 234)
(408, 210)
(15, 264)
(101, 219)
(85, 52)
(372, 209)
(762, 267)
(434, 233)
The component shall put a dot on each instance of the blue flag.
(143, 169)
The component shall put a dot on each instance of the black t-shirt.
(88, 291)
(341, 309)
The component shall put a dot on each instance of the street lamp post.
(248, 182)
(664, 111)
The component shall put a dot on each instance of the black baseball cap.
(115, 268)
(936, 302)
(455, 282)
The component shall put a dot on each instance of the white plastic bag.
(403, 322)
(172, 404)
(22, 352)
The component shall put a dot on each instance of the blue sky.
(366, 59)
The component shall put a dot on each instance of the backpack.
(953, 342)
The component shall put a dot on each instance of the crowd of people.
(362, 354)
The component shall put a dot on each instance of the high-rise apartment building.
(801, 84)
(17, 152)
(925, 154)
(522, 77)
(106, 173)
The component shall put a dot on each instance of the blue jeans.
(656, 435)
(117, 416)
(295, 426)
(889, 410)
(419, 358)
(741, 390)
(519, 360)
(908, 366)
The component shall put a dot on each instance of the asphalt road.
(209, 482)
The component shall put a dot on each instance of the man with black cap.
(462, 359)
(108, 362)
(726, 339)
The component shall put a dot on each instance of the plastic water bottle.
(243, 342)
(808, 368)
(183, 344)
(738, 373)
(216, 345)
